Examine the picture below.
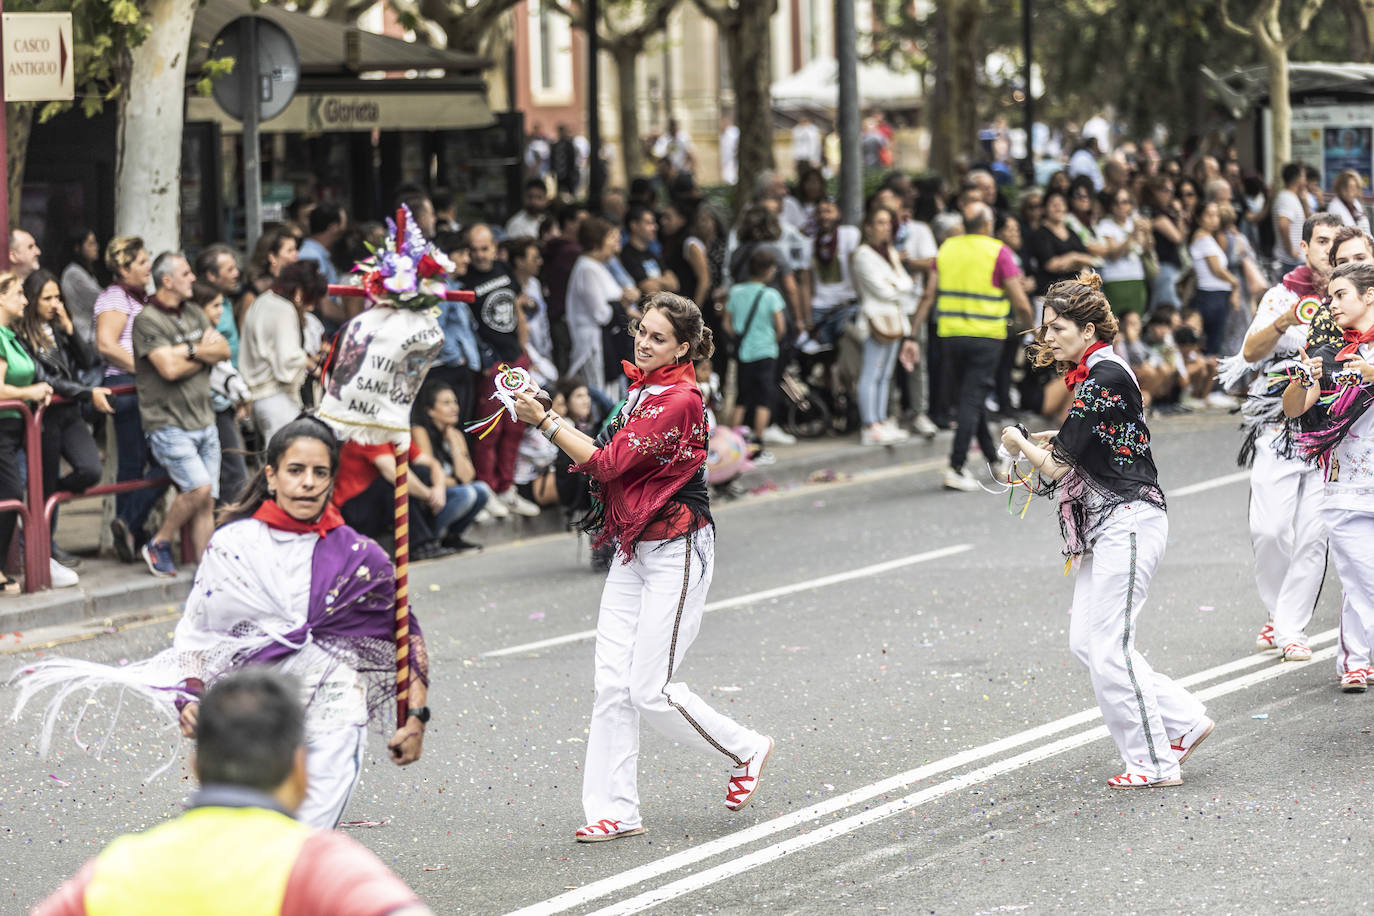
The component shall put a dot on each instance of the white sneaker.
(774, 436)
(960, 480)
(1218, 399)
(495, 508)
(924, 426)
(875, 435)
(894, 432)
(483, 518)
(518, 504)
(61, 576)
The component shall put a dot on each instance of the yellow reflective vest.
(210, 861)
(966, 303)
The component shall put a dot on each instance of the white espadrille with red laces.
(744, 779)
(1140, 781)
(604, 830)
(1296, 652)
(1189, 740)
(1356, 680)
(1265, 639)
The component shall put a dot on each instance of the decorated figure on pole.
(374, 372)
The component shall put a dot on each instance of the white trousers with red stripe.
(651, 612)
(1352, 549)
(1142, 708)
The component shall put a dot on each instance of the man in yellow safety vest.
(238, 851)
(978, 291)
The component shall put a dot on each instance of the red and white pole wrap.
(402, 585)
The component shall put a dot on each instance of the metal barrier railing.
(36, 512)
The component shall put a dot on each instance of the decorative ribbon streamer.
(508, 381)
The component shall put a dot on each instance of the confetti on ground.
(537, 615)
(1262, 715)
(348, 824)
(433, 587)
(1205, 607)
(434, 868)
(61, 782)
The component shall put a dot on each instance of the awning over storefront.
(408, 86)
(331, 48)
(318, 113)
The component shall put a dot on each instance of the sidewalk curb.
(59, 607)
(77, 604)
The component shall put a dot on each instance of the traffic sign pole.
(252, 149)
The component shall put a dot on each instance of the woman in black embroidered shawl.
(1111, 512)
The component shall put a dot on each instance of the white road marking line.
(788, 822)
(765, 595)
(902, 805)
(1212, 484)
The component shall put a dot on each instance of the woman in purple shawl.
(253, 602)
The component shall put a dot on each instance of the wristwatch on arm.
(421, 713)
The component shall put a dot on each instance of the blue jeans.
(191, 456)
(875, 379)
(135, 463)
(1163, 291)
(1214, 305)
(461, 506)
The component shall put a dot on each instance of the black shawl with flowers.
(1106, 445)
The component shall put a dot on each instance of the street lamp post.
(847, 113)
(594, 178)
(1028, 164)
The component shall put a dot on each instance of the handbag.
(885, 326)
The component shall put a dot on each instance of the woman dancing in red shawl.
(648, 471)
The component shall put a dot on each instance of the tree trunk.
(626, 57)
(1280, 108)
(941, 112)
(954, 110)
(19, 127)
(151, 114)
(748, 46)
(1359, 21)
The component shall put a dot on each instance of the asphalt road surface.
(938, 748)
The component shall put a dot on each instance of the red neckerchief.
(670, 374)
(1080, 372)
(169, 309)
(274, 516)
(1304, 281)
(1353, 340)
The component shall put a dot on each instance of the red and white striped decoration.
(402, 586)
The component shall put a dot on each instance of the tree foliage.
(1140, 60)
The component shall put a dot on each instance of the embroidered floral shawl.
(1106, 445)
(652, 453)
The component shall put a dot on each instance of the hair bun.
(1090, 279)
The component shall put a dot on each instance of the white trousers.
(1289, 539)
(273, 412)
(650, 614)
(1141, 707)
(333, 763)
(1352, 548)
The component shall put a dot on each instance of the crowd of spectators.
(198, 364)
